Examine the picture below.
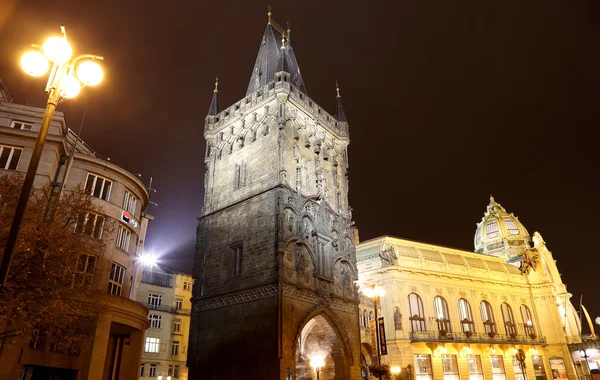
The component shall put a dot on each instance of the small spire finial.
(269, 13)
(289, 30)
(337, 89)
(282, 41)
(217, 85)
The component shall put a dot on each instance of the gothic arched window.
(466, 316)
(442, 315)
(527, 321)
(509, 319)
(487, 316)
(417, 314)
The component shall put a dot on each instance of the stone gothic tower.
(275, 264)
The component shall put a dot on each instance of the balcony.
(460, 337)
(157, 278)
(168, 309)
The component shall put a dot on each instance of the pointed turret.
(339, 110)
(214, 105)
(272, 57)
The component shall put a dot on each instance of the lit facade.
(453, 314)
(166, 293)
(116, 349)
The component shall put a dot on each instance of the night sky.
(448, 102)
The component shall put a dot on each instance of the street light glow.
(57, 49)
(70, 86)
(379, 291)
(34, 63)
(317, 362)
(90, 73)
(148, 260)
(395, 370)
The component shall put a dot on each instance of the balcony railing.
(461, 337)
(168, 309)
(157, 278)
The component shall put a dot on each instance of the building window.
(9, 157)
(423, 367)
(475, 368)
(178, 304)
(518, 370)
(98, 187)
(366, 319)
(527, 321)
(86, 264)
(177, 326)
(236, 253)
(152, 370)
(155, 321)
(442, 315)
(417, 315)
(175, 348)
(498, 371)
(176, 371)
(478, 237)
(491, 229)
(240, 175)
(511, 226)
(187, 286)
(450, 367)
(115, 281)
(142, 369)
(509, 320)
(154, 300)
(129, 202)
(90, 224)
(152, 345)
(21, 125)
(538, 367)
(123, 238)
(487, 316)
(465, 315)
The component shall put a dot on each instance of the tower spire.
(269, 14)
(214, 104)
(339, 111)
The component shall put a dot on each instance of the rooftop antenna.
(150, 191)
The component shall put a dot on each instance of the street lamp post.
(317, 363)
(374, 292)
(584, 355)
(65, 81)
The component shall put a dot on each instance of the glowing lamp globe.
(70, 87)
(57, 49)
(395, 370)
(317, 362)
(34, 63)
(90, 73)
(369, 292)
(379, 291)
(148, 260)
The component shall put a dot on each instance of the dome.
(500, 234)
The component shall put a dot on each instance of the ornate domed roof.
(500, 234)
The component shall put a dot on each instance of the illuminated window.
(152, 345)
(538, 367)
(450, 367)
(423, 367)
(129, 202)
(115, 281)
(123, 238)
(511, 226)
(98, 187)
(527, 321)
(9, 157)
(465, 315)
(518, 370)
(498, 371)
(417, 315)
(154, 300)
(441, 314)
(491, 228)
(487, 316)
(90, 224)
(155, 321)
(475, 369)
(21, 125)
(509, 319)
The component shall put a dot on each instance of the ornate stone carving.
(241, 297)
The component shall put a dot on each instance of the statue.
(398, 319)
(530, 260)
(538, 240)
(387, 252)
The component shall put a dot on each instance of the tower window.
(491, 228)
(21, 125)
(240, 175)
(236, 253)
(511, 226)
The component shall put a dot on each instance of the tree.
(49, 295)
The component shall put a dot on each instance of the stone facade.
(275, 261)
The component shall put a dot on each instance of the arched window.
(527, 321)
(371, 317)
(491, 228)
(361, 321)
(417, 315)
(365, 318)
(487, 316)
(509, 319)
(465, 315)
(442, 315)
(511, 226)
